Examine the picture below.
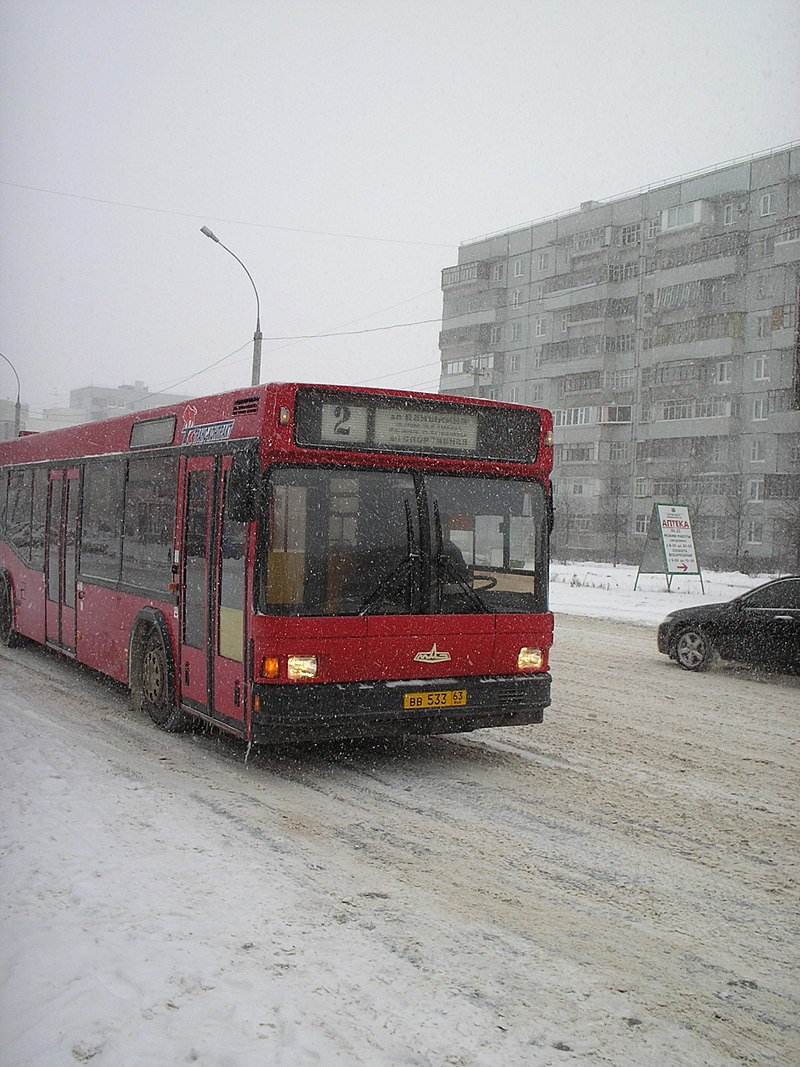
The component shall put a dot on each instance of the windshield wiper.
(400, 574)
(446, 563)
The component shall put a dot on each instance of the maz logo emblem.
(434, 656)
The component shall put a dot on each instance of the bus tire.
(8, 635)
(154, 689)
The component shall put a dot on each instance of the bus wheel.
(155, 691)
(8, 635)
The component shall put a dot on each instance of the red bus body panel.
(351, 651)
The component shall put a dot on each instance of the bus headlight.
(299, 667)
(530, 659)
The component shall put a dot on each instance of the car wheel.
(154, 688)
(693, 650)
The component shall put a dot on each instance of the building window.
(755, 532)
(615, 413)
(641, 487)
(654, 227)
(578, 453)
(539, 291)
(759, 409)
(544, 260)
(619, 380)
(514, 361)
(763, 326)
(757, 450)
(495, 335)
(755, 490)
(630, 234)
(514, 396)
(540, 328)
(453, 366)
(516, 297)
(499, 272)
(516, 331)
(716, 530)
(537, 393)
(518, 268)
(766, 204)
(723, 372)
(574, 416)
(680, 215)
(564, 322)
(640, 524)
(729, 215)
(761, 369)
(678, 409)
(579, 488)
(619, 451)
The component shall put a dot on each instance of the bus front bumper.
(391, 709)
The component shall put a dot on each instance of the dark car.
(761, 628)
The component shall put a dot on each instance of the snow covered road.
(617, 886)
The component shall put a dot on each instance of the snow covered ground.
(602, 591)
(617, 886)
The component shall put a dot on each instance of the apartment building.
(661, 328)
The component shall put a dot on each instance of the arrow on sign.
(682, 567)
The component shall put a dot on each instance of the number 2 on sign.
(342, 416)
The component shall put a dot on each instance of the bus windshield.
(358, 542)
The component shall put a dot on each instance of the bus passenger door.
(229, 610)
(212, 594)
(198, 479)
(61, 563)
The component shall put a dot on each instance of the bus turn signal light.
(270, 665)
(530, 659)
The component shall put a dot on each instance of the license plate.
(448, 698)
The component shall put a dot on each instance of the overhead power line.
(233, 222)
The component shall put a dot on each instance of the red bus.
(291, 561)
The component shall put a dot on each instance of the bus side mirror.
(243, 487)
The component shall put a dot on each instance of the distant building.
(662, 329)
(99, 403)
(93, 403)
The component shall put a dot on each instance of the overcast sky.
(342, 150)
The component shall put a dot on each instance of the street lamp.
(257, 336)
(16, 408)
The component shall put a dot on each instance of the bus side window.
(40, 479)
(3, 495)
(101, 533)
(18, 516)
(150, 508)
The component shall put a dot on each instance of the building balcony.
(465, 273)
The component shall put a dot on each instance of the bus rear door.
(61, 545)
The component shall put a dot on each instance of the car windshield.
(382, 542)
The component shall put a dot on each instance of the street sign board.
(669, 547)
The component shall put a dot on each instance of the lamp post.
(257, 336)
(16, 407)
